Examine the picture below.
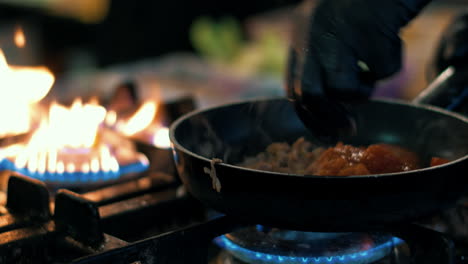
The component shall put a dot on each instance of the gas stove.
(152, 219)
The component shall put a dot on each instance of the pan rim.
(176, 145)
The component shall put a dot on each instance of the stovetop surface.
(153, 219)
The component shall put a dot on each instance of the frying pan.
(208, 143)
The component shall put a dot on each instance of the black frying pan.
(231, 132)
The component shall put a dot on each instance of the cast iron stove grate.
(135, 222)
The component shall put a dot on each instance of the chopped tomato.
(436, 161)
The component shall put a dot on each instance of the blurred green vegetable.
(274, 54)
(219, 41)
(222, 42)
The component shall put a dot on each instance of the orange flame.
(19, 38)
(21, 88)
(66, 141)
(161, 138)
(70, 139)
(77, 126)
(141, 125)
(138, 122)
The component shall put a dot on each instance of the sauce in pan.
(341, 160)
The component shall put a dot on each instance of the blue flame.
(364, 256)
(76, 177)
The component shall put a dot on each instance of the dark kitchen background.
(121, 31)
(183, 55)
(78, 38)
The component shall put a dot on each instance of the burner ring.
(79, 179)
(252, 245)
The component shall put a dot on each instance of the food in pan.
(302, 157)
(435, 161)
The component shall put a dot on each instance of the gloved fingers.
(335, 72)
(311, 79)
(344, 77)
(373, 42)
(352, 44)
(334, 65)
(292, 85)
(323, 115)
(381, 54)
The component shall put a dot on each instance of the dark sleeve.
(392, 15)
(412, 8)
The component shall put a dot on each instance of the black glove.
(453, 46)
(451, 90)
(349, 45)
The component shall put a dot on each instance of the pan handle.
(448, 90)
(427, 246)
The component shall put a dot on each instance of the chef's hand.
(347, 46)
(350, 45)
(452, 49)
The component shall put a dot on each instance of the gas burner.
(73, 178)
(271, 246)
(72, 148)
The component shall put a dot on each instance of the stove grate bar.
(186, 245)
